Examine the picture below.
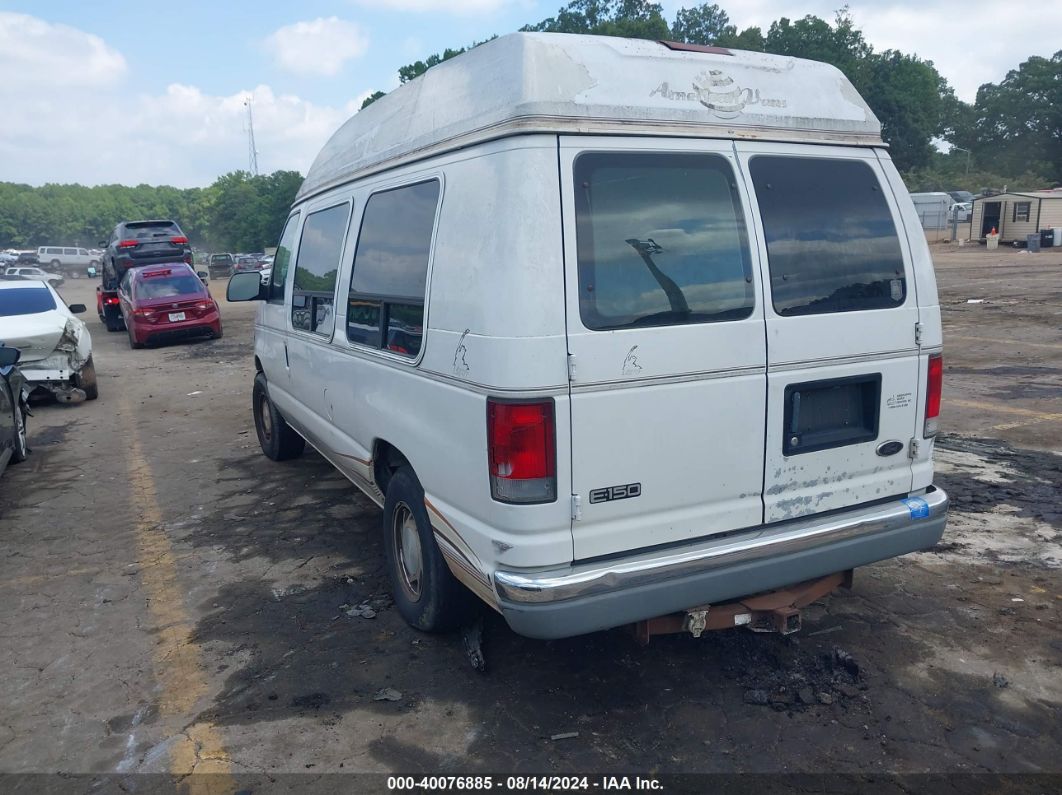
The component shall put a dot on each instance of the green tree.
(841, 44)
(1018, 122)
(372, 98)
(751, 39)
(905, 94)
(636, 19)
(703, 24)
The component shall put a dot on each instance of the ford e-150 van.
(611, 329)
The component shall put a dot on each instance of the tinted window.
(27, 301)
(281, 260)
(661, 240)
(831, 242)
(172, 286)
(140, 230)
(385, 306)
(70, 252)
(316, 268)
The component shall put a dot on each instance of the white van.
(611, 329)
(76, 261)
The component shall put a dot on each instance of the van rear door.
(666, 343)
(841, 316)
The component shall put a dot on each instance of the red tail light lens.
(934, 387)
(127, 244)
(181, 240)
(522, 451)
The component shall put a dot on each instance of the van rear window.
(831, 241)
(661, 240)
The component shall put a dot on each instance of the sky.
(123, 92)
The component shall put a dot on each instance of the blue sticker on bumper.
(918, 507)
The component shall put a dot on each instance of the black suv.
(135, 243)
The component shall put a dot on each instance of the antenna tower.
(252, 152)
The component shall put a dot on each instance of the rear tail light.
(110, 301)
(181, 240)
(934, 387)
(127, 244)
(522, 451)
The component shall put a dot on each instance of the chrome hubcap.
(265, 418)
(408, 554)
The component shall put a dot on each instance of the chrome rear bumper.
(590, 596)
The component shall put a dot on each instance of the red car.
(162, 303)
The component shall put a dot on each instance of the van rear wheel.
(279, 442)
(425, 591)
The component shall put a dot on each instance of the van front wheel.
(279, 442)
(426, 593)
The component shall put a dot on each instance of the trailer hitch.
(773, 611)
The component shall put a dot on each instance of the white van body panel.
(677, 409)
(838, 345)
(490, 329)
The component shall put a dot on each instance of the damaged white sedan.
(56, 346)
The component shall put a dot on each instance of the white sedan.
(56, 346)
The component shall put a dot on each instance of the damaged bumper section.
(57, 373)
(597, 595)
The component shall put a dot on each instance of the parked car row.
(33, 272)
(45, 349)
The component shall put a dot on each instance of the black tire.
(279, 442)
(426, 593)
(113, 323)
(21, 451)
(54, 264)
(133, 343)
(217, 336)
(86, 380)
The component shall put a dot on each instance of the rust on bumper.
(774, 611)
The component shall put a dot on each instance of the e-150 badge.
(610, 493)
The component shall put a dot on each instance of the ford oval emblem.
(889, 448)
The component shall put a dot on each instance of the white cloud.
(78, 121)
(35, 54)
(182, 137)
(317, 47)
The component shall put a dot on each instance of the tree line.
(238, 212)
(1011, 135)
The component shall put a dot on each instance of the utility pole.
(252, 152)
(967, 151)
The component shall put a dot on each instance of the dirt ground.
(172, 601)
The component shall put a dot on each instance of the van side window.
(314, 288)
(831, 241)
(661, 240)
(279, 277)
(385, 306)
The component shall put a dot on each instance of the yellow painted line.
(1054, 346)
(177, 660)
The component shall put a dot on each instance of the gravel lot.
(171, 601)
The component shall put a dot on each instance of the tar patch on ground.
(1027, 480)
